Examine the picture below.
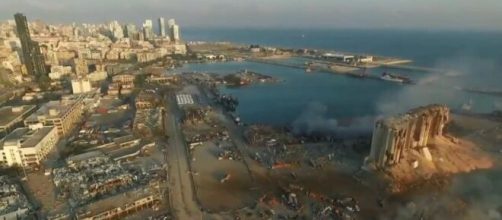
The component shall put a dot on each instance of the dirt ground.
(41, 189)
(214, 196)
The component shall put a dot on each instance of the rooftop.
(54, 109)
(9, 113)
(27, 137)
(84, 156)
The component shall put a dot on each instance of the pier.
(353, 74)
(413, 68)
(359, 75)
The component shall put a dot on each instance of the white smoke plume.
(314, 120)
(444, 87)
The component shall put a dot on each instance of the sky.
(359, 14)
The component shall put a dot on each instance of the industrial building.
(129, 203)
(26, 147)
(338, 57)
(11, 116)
(184, 99)
(394, 135)
(62, 114)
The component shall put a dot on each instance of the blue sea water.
(473, 59)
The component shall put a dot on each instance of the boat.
(309, 67)
(395, 78)
(467, 106)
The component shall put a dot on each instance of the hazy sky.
(413, 14)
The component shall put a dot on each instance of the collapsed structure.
(13, 202)
(394, 135)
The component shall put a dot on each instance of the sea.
(470, 60)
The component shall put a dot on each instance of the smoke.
(444, 87)
(470, 196)
(482, 191)
(313, 121)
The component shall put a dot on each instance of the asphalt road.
(182, 195)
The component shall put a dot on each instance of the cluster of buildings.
(84, 57)
(121, 84)
(29, 134)
(83, 53)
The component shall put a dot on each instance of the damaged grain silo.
(392, 136)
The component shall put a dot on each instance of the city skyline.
(389, 14)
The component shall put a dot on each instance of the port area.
(315, 60)
(233, 176)
(310, 60)
(227, 169)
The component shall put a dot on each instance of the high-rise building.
(32, 57)
(175, 33)
(130, 31)
(162, 27)
(116, 30)
(148, 30)
(170, 23)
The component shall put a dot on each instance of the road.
(181, 193)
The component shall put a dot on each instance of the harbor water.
(472, 60)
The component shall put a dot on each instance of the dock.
(353, 74)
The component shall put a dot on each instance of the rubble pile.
(13, 203)
(147, 120)
(330, 208)
(195, 116)
(267, 136)
(208, 136)
(229, 153)
(295, 201)
(415, 147)
(90, 175)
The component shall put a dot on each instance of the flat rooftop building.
(62, 114)
(184, 99)
(11, 116)
(26, 147)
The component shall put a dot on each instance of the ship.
(309, 67)
(395, 78)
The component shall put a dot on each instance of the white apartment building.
(80, 86)
(26, 147)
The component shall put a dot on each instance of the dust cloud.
(445, 87)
